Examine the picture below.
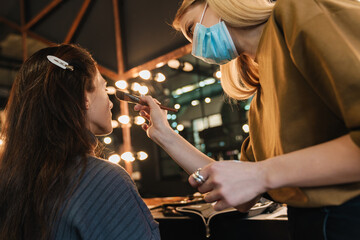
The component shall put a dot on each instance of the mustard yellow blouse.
(309, 64)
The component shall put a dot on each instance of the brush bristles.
(126, 97)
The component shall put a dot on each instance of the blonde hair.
(240, 78)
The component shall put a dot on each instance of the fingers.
(155, 100)
(148, 103)
(203, 174)
(145, 115)
(139, 107)
(192, 182)
(221, 205)
(145, 126)
(229, 184)
(151, 102)
(212, 196)
(207, 186)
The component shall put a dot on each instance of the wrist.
(267, 175)
(273, 177)
(163, 136)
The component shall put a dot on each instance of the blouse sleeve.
(324, 43)
(247, 154)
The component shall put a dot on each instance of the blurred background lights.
(177, 106)
(115, 158)
(178, 91)
(159, 65)
(245, 128)
(145, 74)
(107, 140)
(110, 90)
(136, 175)
(135, 86)
(124, 119)
(143, 90)
(218, 74)
(209, 81)
(114, 123)
(188, 67)
(174, 124)
(169, 116)
(174, 63)
(188, 88)
(166, 91)
(139, 120)
(201, 84)
(159, 77)
(128, 156)
(121, 84)
(180, 127)
(173, 117)
(195, 102)
(142, 155)
(208, 100)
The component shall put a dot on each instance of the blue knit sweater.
(105, 205)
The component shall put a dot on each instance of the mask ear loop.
(203, 14)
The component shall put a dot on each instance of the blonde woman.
(301, 61)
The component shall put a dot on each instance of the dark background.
(146, 38)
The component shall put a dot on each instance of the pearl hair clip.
(59, 62)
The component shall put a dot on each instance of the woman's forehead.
(193, 14)
(98, 78)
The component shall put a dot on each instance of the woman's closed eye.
(189, 30)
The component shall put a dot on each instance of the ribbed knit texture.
(105, 205)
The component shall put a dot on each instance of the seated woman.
(51, 184)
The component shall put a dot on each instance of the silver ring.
(198, 177)
(198, 180)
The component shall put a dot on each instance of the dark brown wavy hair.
(46, 142)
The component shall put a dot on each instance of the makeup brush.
(135, 99)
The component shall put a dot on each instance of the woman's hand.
(232, 184)
(157, 118)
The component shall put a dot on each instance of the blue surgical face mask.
(213, 45)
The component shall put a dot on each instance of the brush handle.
(168, 108)
(161, 106)
(123, 96)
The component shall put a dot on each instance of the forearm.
(333, 162)
(182, 152)
(159, 130)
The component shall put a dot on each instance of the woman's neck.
(247, 39)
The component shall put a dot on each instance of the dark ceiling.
(121, 34)
(124, 36)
